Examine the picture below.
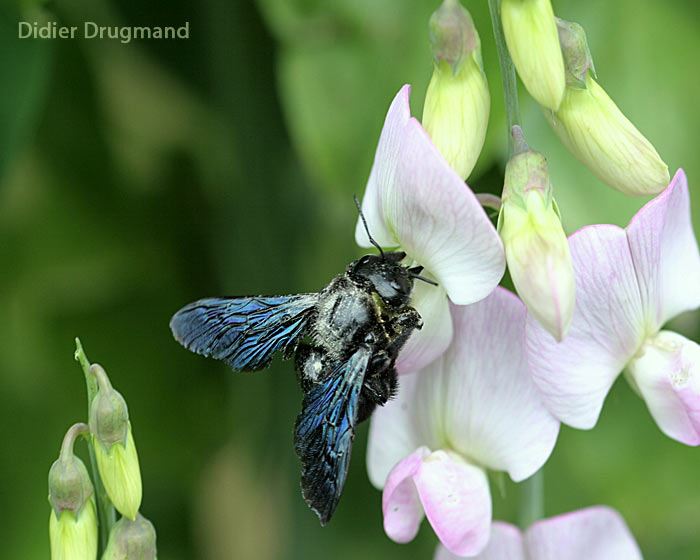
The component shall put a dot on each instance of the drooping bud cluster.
(537, 251)
(457, 102)
(73, 524)
(555, 64)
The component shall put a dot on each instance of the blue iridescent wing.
(244, 332)
(324, 433)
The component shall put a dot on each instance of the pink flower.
(416, 202)
(595, 533)
(629, 282)
(475, 408)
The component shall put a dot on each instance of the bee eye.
(364, 260)
(394, 284)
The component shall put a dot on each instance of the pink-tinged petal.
(667, 376)
(665, 253)
(506, 543)
(383, 173)
(429, 343)
(456, 499)
(491, 408)
(392, 432)
(596, 533)
(608, 327)
(416, 200)
(401, 505)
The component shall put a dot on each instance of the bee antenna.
(364, 222)
(424, 279)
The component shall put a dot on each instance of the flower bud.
(596, 132)
(131, 540)
(530, 30)
(537, 251)
(115, 450)
(73, 518)
(457, 102)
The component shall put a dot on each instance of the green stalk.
(105, 510)
(531, 500)
(531, 506)
(510, 84)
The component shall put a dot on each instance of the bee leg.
(380, 385)
(401, 327)
(308, 362)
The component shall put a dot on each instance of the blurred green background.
(137, 177)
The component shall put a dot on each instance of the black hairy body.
(345, 341)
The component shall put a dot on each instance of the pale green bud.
(70, 487)
(457, 102)
(73, 536)
(536, 247)
(594, 129)
(131, 540)
(119, 469)
(115, 450)
(73, 519)
(533, 42)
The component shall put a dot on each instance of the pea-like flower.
(595, 533)
(629, 283)
(414, 200)
(475, 408)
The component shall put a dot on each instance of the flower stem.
(105, 509)
(73, 433)
(510, 85)
(532, 490)
(531, 500)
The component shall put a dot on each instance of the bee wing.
(324, 433)
(244, 332)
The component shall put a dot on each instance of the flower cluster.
(73, 525)
(487, 381)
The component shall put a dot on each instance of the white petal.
(392, 433)
(596, 533)
(667, 375)
(665, 253)
(429, 343)
(416, 200)
(456, 500)
(506, 543)
(492, 411)
(607, 329)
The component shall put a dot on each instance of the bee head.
(385, 274)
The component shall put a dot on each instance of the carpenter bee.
(345, 340)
